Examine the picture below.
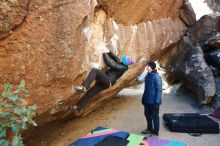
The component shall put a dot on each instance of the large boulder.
(45, 50)
(133, 40)
(186, 63)
(187, 14)
(204, 29)
(61, 40)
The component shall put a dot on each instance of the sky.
(201, 8)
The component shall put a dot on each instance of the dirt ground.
(125, 112)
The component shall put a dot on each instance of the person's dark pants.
(152, 117)
(99, 76)
(103, 82)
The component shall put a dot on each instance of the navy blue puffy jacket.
(153, 89)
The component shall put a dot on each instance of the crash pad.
(97, 135)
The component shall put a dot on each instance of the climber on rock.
(104, 80)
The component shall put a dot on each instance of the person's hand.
(156, 106)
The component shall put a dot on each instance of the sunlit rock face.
(56, 43)
(136, 11)
(45, 51)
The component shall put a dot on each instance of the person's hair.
(152, 65)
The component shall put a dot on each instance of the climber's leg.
(88, 95)
(100, 76)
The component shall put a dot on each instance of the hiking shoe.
(146, 131)
(80, 89)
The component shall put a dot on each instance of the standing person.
(103, 79)
(152, 99)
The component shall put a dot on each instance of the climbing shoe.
(75, 109)
(80, 89)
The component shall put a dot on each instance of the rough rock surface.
(187, 14)
(144, 41)
(204, 29)
(12, 14)
(186, 62)
(60, 41)
(136, 11)
(214, 5)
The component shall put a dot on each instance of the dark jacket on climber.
(117, 68)
(103, 80)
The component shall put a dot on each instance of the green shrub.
(15, 115)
